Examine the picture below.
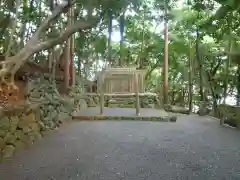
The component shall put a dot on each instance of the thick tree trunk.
(67, 64)
(72, 70)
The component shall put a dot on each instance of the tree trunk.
(67, 59)
(165, 86)
(182, 102)
(79, 65)
(51, 50)
(72, 66)
(198, 56)
(209, 83)
(56, 55)
(122, 19)
(50, 58)
(238, 86)
(110, 36)
(190, 85)
(228, 61)
(141, 53)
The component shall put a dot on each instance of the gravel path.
(194, 148)
(121, 112)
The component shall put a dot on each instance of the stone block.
(25, 120)
(13, 123)
(8, 151)
(4, 123)
(34, 127)
(173, 119)
(3, 132)
(10, 138)
(2, 144)
(19, 145)
(22, 137)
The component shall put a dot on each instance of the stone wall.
(19, 126)
(54, 107)
(229, 115)
(45, 110)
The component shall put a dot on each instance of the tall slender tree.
(122, 21)
(165, 72)
(110, 18)
(190, 85)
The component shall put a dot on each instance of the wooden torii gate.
(121, 82)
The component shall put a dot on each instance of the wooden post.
(106, 84)
(132, 82)
(139, 83)
(101, 93)
(109, 86)
(137, 94)
(129, 85)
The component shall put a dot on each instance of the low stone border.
(135, 118)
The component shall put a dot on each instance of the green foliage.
(143, 37)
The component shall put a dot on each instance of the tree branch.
(34, 45)
(151, 70)
(29, 47)
(79, 25)
(214, 70)
(58, 10)
(13, 29)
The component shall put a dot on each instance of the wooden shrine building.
(121, 82)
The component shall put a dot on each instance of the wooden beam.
(118, 73)
(116, 78)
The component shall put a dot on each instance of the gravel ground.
(194, 148)
(121, 112)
